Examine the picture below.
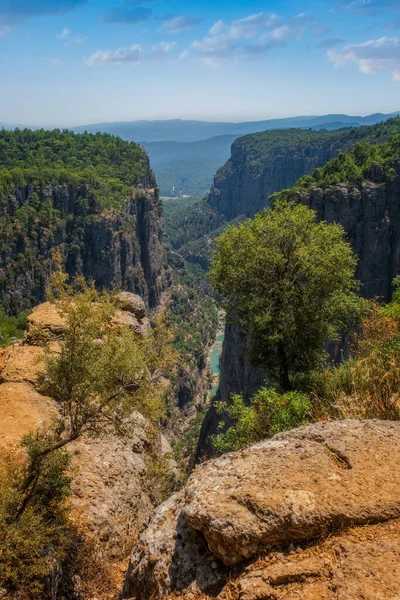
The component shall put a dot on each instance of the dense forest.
(38, 157)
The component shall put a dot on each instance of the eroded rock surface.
(270, 503)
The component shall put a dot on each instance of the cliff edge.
(311, 513)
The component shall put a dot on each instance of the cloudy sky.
(71, 62)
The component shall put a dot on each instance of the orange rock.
(22, 409)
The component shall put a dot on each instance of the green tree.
(289, 281)
(103, 372)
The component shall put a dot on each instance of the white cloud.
(249, 37)
(134, 54)
(64, 34)
(185, 55)
(369, 7)
(161, 50)
(180, 23)
(68, 38)
(371, 56)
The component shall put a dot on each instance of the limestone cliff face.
(117, 247)
(268, 162)
(370, 215)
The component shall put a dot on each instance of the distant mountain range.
(185, 155)
(177, 130)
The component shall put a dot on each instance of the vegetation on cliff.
(290, 282)
(103, 373)
(39, 157)
(11, 328)
(366, 161)
(82, 194)
(269, 413)
(366, 385)
(261, 148)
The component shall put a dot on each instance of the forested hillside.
(92, 199)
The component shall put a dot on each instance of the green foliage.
(11, 328)
(100, 175)
(367, 385)
(37, 157)
(352, 167)
(268, 413)
(34, 529)
(103, 372)
(194, 318)
(263, 148)
(189, 219)
(290, 283)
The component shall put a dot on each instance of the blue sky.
(67, 62)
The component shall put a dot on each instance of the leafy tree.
(268, 413)
(32, 539)
(103, 372)
(11, 328)
(290, 283)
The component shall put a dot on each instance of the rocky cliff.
(310, 514)
(92, 200)
(370, 214)
(119, 247)
(112, 495)
(270, 161)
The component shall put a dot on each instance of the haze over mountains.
(177, 130)
(185, 155)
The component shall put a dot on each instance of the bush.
(33, 516)
(268, 413)
(368, 384)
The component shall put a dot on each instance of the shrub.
(368, 384)
(268, 413)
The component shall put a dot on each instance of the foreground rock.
(112, 496)
(265, 505)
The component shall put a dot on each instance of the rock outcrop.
(112, 497)
(312, 513)
(370, 215)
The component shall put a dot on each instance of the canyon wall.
(117, 247)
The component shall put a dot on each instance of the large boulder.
(282, 493)
(131, 303)
(47, 318)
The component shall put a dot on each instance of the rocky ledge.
(111, 499)
(313, 513)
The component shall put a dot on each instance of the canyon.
(294, 516)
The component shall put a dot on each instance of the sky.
(75, 62)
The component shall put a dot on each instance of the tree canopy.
(290, 283)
